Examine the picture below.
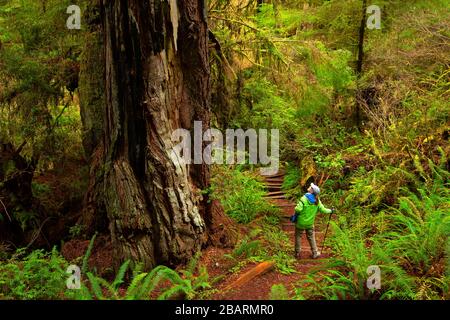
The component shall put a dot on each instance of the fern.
(87, 255)
(120, 275)
(95, 286)
(247, 248)
(278, 292)
(132, 291)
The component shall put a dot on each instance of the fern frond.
(95, 285)
(87, 255)
(133, 289)
(120, 275)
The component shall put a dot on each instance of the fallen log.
(260, 269)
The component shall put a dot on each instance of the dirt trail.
(259, 288)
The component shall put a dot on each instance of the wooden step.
(271, 185)
(276, 197)
(275, 193)
(274, 179)
(280, 173)
(280, 197)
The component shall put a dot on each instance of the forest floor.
(222, 271)
(259, 288)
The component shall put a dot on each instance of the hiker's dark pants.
(311, 239)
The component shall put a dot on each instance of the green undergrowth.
(241, 194)
(41, 275)
(264, 242)
(160, 283)
(33, 276)
(409, 241)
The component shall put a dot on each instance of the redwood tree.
(145, 74)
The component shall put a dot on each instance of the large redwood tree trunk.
(156, 80)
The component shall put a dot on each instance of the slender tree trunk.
(360, 62)
(156, 81)
(362, 31)
(276, 11)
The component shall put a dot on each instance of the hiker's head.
(314, 189)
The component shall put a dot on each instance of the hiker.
(305, 212)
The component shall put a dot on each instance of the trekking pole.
(326, 232)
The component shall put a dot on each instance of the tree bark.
(92, 110)
(156, 81)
